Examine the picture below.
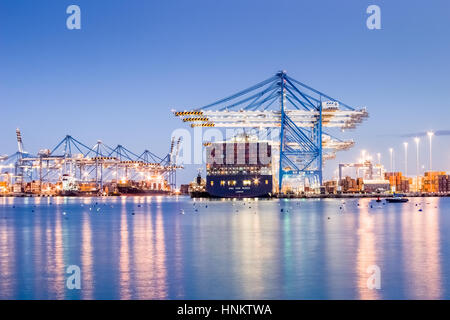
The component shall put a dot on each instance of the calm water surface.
(143, 248)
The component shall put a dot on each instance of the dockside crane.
(19, 141)
(97, 164)
(22, 162)
(171, 162)
(297, 111)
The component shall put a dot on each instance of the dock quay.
(358, 196)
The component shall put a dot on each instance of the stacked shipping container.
(444, 183)
(431, 181)
(398, 181)
(350, 185)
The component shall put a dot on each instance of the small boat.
(397, 198)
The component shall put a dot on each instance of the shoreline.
(277, 196)
(362, 196)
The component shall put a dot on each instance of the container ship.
(142, 188)
(70, 186)
(239, 168)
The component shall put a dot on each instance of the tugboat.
(397, 198)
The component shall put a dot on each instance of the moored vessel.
(197, 188)
(239, 168)
(397, 198)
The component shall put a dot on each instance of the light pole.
(417, 140)
(430, 136)
(391, 151)
(406, 158)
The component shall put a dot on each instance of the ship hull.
(218, 186)
(137, 191)
(199, 194)
(78, 193)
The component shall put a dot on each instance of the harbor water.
(178, 248)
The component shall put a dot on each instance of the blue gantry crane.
(300, 117)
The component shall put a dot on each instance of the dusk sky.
(118, 77)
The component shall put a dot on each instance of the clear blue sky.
(117, 78)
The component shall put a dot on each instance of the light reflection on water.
(422, 246)
(87, 257)
(366, 252)
(143, 248)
